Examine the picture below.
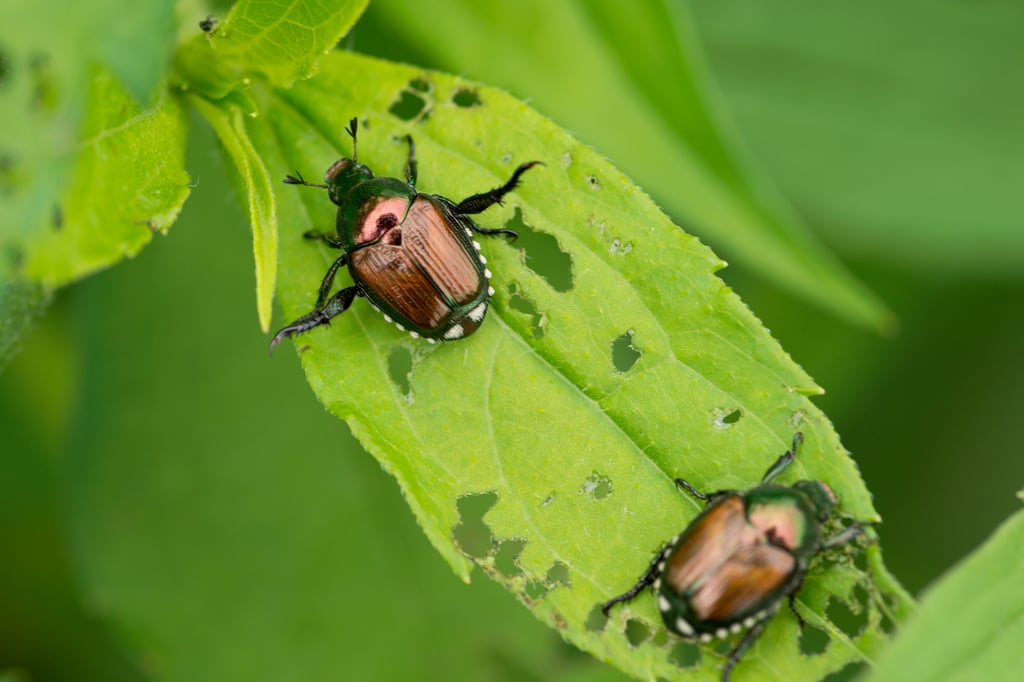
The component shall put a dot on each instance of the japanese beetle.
(411, 254)
(730, 568)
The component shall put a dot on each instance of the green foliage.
(971, 622)
(541, 450)
(634, 85)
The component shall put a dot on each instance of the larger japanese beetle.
(411, 254)
(730, 568)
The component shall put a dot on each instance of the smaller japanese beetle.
(411, 254)
(730, 568)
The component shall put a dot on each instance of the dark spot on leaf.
(594, 183)
(813, 641)
(597, 486)
(472, 536)
(620, 247)
(548, 500)
(208, 24)
(519, 302)
(624, 353)
(596, 620)
(636, 632)
(506, 555)
(465, 98)
(57, 217)
(400, 369)
(542, 254)
(684, 654)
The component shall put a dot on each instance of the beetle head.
(821, 497)
(343, 175)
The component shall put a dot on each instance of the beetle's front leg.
(484, 200)
(338, 304)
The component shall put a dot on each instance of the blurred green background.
(174, 505)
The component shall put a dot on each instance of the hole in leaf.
(518, 301)
(636, 632)
(542, 254)
(684, 654)
(505, 558)
(400, 369)
(660, 638)
(408, 106)
(597, 486)
(548, 500)
(558, 574)
(419, 85)
(620, 247)
(465, 98)
(624, 353)
(851, 619)
(594, 183)
(848, 673)
(472, 536)
(596, 620)
(535, 589)
(724, 420)
(813, 641)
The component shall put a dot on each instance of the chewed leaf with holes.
(612, 360)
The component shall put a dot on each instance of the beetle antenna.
(353, 127)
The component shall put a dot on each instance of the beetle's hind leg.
(481, 202)
(741, 647)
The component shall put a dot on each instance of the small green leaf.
(128, 181)
(970, 624)
(227, 117)
(280, 40)
(530, 436)
(633, 83)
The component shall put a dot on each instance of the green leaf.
(633, 84)
(970, 624)
(917, 101)
(280, 40)
(612, 360)
(128, 181)
(227, 117)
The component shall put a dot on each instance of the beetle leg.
(844, 536)
(792, 605)
(325, 285)
(338, 304)
(680, 483)
(481, 202)
(648, 578)
(741, 647)
(784, 461)
(411, 167)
